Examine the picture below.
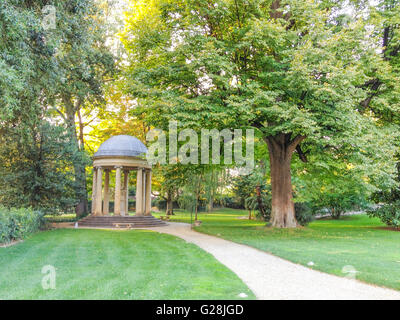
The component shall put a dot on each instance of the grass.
(358, 241)
(106, 264)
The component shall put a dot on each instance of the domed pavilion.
(120, 154)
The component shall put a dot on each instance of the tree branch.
(302, 155)
(293, 144)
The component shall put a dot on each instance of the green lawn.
(105, 264)
(330, 244)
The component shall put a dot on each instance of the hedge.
(16, 224)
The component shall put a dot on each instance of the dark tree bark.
(81, 208)
(281, 150)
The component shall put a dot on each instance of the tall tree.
(83, 63)
(53, 71)
(295, 70)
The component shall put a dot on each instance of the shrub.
(304, 213)
(388, 214)
(61, 218)
(228, 202)
(18, 223)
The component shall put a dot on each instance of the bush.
(388, 214)
(304, 213)
(18, 223)
(228, 202)
(69, 217)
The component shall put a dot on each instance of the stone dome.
(122, 145)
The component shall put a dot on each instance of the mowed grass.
(357, 241)
(106, 264)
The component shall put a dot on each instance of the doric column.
(148, 193)
(94, 190)
(99, 184)
(106, 194)
(139, 192)
(126, 194)
(117, 199)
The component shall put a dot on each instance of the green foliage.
(227, 201)
(244, 187)
(253, 204)
(191, 191)
(35, 169)
(18, 223)
(388, 213)
(304, 213)
(299, 75)
(252, 192)
(337, 182)
(48, 75)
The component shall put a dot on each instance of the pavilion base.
(120, 222)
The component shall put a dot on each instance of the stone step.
(112, 223)
(123, 221)
(120, 227)
(117, 219)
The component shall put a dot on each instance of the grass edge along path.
(352, 246)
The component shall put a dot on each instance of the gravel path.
(270, 277)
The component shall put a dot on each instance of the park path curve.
(270, 277)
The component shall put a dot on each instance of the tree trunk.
(211, 203)
(81, 127)
(335, 214)
(170, 210)
(281, 149)
(81, 208)
(196, 207)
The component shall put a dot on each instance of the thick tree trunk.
(81, 208)
(281, 149)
